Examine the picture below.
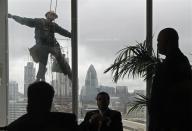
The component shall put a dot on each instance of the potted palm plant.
(134, 61)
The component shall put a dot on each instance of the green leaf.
(133, 61)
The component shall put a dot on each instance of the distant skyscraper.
(62, 87)
(121, 91)
(108, 89)
(29, 76)
(61, 83)
(13, 90)
(91, 88)
(16, 103)
(16, 109)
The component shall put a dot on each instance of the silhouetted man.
(38, 116)
(170, 105)
(103, 119)
(45, 42)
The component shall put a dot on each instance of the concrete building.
(29, 76)
(13, 90)
(108, 89)
(62, 85)
(16, 108)
(122, 91)
(63, 88)
(16, 103)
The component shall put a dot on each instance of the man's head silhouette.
(103, 100)
(40, 97)
(51, 15)
(167, 41)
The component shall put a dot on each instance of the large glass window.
(22, 68)
(178, 15)
(105, 27)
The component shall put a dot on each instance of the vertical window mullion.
(74, 43)
(3, 63)
(149, 26)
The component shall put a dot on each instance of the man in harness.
(46, 42)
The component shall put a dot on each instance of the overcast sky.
(105, 26)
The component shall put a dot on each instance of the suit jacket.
(52, 121)
(170, 103)
(111, 121)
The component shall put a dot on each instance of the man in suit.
(38, 116)
(103, 119)
(170, 102)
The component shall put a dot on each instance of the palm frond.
(133, 61)
(139, 103)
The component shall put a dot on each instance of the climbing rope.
(51, 3)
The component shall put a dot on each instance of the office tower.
(91, 88)
(61, 83)
(108, 89)
(13, 90)
(29, 76)
(16, 103)
(63, 88)
(122, 93)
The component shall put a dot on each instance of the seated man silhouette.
(38, 116)
(103, 119)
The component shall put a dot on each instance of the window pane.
(178, 15)
(175, 14)
(105, 27)
(22, 68)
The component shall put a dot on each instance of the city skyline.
(31, 71)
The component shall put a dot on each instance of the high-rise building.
(63, 88)
(108, 89)
(16, 109)
(121, 91)
(13, 90)
(16, 103)
(62, 85)
(29, 76)
(91, 88)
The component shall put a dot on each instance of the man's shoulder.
(56, 119)
(62, 115)
(92, 112)
(23, 120)
(115, 112)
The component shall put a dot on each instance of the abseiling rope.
(51, 2)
